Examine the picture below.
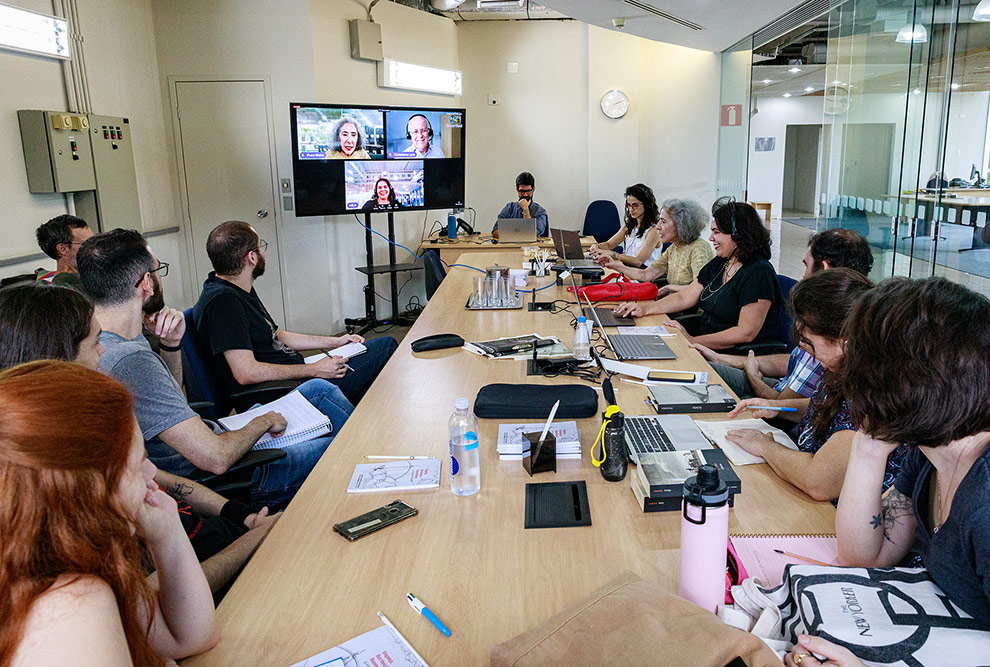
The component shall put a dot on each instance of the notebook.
(346, 351)
(715, 431)
(513, 446)
(408, 475)
(381, 646)
(304, 421)
(756, 552)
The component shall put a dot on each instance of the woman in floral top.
(819, 305)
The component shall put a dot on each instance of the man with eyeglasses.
(123, 277)
(525, 207)
(60, 238)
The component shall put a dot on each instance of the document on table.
(395, 476)
(716, 432)
(372, 649)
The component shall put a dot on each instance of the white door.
(226, 153)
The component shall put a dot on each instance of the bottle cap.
(582, 319)
(461, 404)
(706, 488)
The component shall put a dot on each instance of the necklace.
(726, 276)
(938, 504)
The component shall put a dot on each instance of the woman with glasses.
(737, 291)
(681, 224)
(639, 238)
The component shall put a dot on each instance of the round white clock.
(836, 99)
(615, 103)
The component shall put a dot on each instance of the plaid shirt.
(803, 374)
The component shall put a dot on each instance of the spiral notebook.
(758, 555)
(304, 421)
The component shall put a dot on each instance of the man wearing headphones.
(420, 133)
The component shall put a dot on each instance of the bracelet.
(235, 511)
(169, 348)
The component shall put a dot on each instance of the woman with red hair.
(78, 501)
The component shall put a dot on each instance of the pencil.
(804, 558)
(396, 458)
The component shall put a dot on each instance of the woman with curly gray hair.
(681, 223)
(347, 141)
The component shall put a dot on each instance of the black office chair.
(434, 272)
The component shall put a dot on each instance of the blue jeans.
(274, 484)
(366, 367)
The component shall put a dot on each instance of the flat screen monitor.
(352, 158)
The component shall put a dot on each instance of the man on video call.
(525, 207)
(420, 132)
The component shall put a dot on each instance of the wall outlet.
(493, 100)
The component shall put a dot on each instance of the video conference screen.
(350, 159)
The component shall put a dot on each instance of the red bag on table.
(622, 289)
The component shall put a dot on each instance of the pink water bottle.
(704, 538)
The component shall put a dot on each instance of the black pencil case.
(437, 342)
(534, 401)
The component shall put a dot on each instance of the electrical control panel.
(57, 151)
(114, 202)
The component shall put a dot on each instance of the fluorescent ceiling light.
(794, 70)
(787, 94)
(485, 4)
(956, 86)
(408, 76)
(809, 89)
(916, 91)
(836, 83)
(982, 11)
(767, 80)
(912, 34)
(21, 30)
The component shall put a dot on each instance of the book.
(716, 431)
(374, 648)
(304, 422)
(519, 347)
(395, 476)
(756, 553)
(512, 446)
(346, 351)
(662, 474)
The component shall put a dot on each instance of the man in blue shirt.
(526, 207)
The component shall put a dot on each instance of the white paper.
(624, 368)
(346, 351)
(372, 649)
(299, 414)
(646, 331)
(395, 476)
(717, 430)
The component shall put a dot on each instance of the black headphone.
(729, 201)
(429, 125)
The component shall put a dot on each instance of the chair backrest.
(786, 323)
(434, 272)
(201, 383)
(601, 220)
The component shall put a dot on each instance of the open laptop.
(517, 230)
(662, 433)
(568, 247)
(606, 316)
(633, 347)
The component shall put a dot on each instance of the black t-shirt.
(228, 318)
(721, 304)
(958, 555)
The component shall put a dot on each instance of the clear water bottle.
(465, 459)
(582, 344)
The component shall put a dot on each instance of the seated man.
(525, 207)
(247, 346)
(799, 372)
(60, 238)
(123, 278)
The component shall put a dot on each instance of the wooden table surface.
(449, 251)
(467, 558)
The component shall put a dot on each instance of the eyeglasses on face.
(262, 245)
(162, 271)
(524, 191)
(634, 205)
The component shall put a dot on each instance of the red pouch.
(735, 572)
(622, 289)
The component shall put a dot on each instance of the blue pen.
(769, 407)
(424, 610)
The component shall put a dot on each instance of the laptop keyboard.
(608, 317)
(631, 347)
(645, 434)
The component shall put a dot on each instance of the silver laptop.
(517, 230)
(662, 433)
(568, 247)
(634, 347)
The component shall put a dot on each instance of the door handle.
(263, 213)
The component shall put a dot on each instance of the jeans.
(365, 367)
(737, 380)
(275, 483)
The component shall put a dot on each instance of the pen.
(396, 458)
(401, 638)
(348, 367)
(546, 428)
(769, 407)
(425, 611)
(809, 560)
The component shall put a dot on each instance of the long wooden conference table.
(449, 250)
(469, 559)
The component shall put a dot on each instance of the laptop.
(517, 230)
(608, 317)
(635, 347)
(648, 434)
(568, 247)
(687, 398)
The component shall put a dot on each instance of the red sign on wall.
(731, 115)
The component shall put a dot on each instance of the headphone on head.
(721, 203)
(429, 126)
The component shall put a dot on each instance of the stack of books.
(658, 481)
(512, 446)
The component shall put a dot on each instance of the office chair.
(434, 272)
(601, 220)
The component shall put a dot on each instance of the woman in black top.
(737, 291)
(384, 196)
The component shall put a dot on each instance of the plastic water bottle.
(704, 538)
(465, 459)
(451, 226)
(582, 345)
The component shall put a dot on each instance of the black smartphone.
(376, 519)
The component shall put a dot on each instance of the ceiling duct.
(795, 18)
(656, 11)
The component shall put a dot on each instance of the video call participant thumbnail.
(419, 140)
(383, 186)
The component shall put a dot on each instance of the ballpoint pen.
(425, 611)
(769, 407)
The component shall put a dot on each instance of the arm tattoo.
(180, 491)
(894, 507)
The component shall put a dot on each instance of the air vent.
(662, 14)
(795, 18)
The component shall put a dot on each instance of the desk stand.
(370, 319)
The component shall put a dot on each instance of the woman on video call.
(347, 141)
(384, 196)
